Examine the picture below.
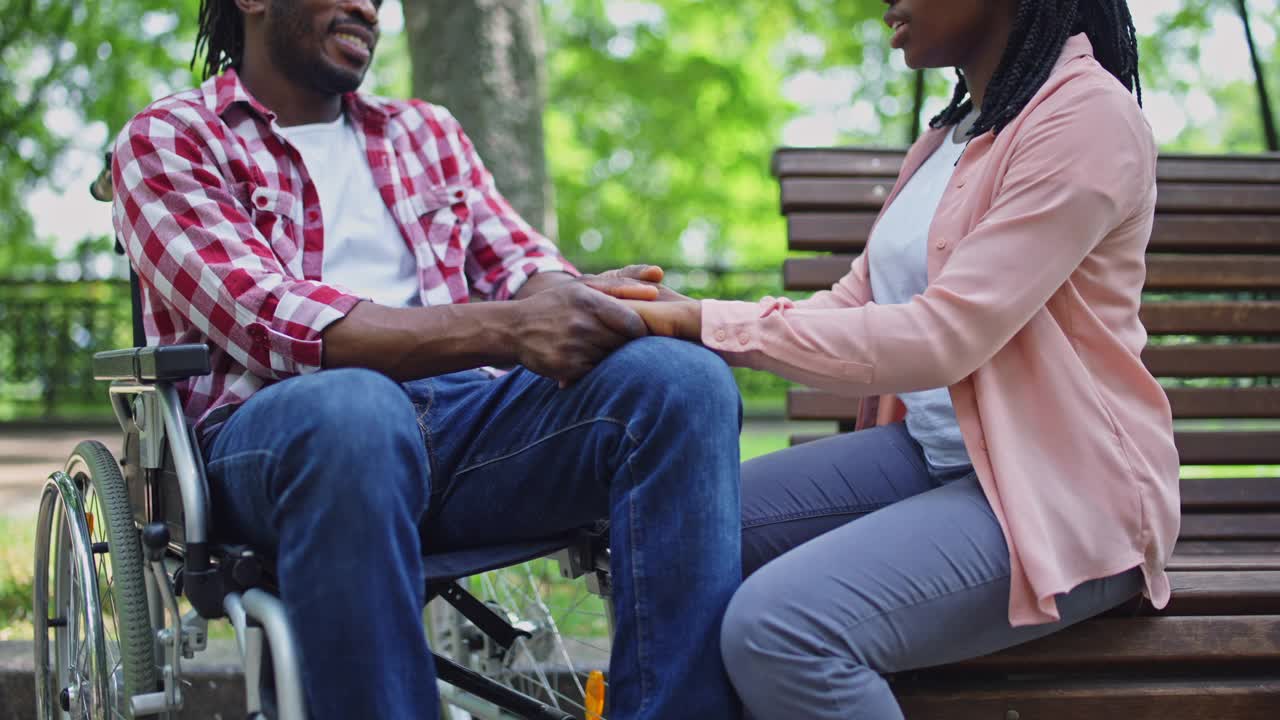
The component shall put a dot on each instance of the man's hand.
(564, 332)
(634, 282)
(682, 319)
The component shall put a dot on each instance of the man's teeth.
(352, 38)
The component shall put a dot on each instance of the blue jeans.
(861, 563)
(346, 478)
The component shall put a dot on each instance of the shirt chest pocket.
(278, 217)
(444, 214)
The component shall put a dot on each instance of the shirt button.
(313, 215)
(941, 244)
(262, 201)
(744, 338)
(458, 195)
(721, 335)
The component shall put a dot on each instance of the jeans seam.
(243, 454)
(842, 510)
(425, 428)
(636, 593)
(568, 428)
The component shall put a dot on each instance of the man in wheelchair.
(323, 245)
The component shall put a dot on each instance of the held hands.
(567, 329)
(665, 311)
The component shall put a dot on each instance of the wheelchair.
(123, 545)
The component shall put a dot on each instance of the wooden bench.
(1212, 307)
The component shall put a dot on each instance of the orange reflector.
(595, 695)
(88, 517)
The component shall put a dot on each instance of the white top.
(899, 272)
(364, 251)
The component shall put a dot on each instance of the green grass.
(17, 557)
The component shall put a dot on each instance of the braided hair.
(1040, 30)
(220, 38)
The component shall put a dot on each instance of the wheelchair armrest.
(152, 364)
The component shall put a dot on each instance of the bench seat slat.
(1194, 447)
(1106, 642)
(1190, 317)
(868, 194)
(1231, 495)
(1232, 526)
(1133, 697)
(1219, 563)
(846, 231)
(1227, 548)
(1210, 360)
(845, 162)
(1207, 273)
(1187, 402)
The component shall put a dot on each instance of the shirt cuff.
(520, 273)
(293, 345)
(732, 328)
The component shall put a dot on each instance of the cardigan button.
(941, 244)
(721, 335)
(744, 339)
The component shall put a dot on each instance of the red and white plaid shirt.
(223, 226)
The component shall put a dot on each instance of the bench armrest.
(152, 364)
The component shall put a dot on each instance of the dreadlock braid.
(220, 37)
(1040, 30)
(960, 105)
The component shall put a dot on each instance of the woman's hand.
(677, 319)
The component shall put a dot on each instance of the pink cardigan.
(1036, 267)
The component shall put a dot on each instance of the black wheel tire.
(92, 464)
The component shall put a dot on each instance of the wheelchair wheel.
(94, 643)
(569, 629)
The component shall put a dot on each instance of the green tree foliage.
(71, 72)
(661, 116)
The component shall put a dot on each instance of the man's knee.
(681, 375)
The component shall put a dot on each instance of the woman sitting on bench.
(1034, 481)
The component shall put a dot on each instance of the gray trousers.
(860, 563)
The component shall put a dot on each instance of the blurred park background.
(630, 131)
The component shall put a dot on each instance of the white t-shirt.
(899, 272)
(364, 251)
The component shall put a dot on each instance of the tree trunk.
(1264, 100)
(483, 59)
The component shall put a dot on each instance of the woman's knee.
(761, 635)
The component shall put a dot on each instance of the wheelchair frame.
(225, 581)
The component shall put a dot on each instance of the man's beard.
(286, 43)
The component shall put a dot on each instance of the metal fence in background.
(49, 331)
